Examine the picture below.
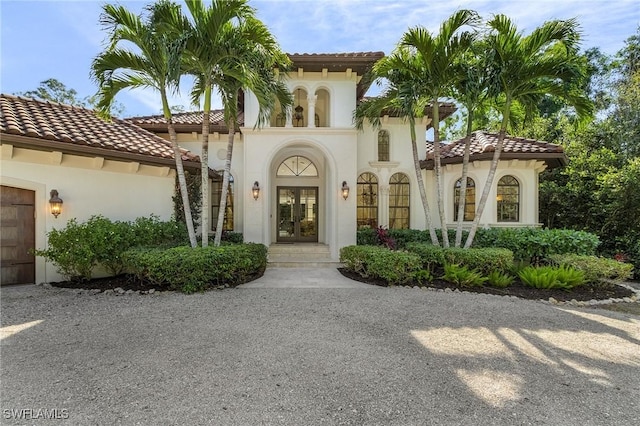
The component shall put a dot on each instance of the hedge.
(394, 267)
(596, 269)
(484, 260)
(196, 269)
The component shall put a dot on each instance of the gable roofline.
(483, 146)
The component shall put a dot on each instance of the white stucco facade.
(88, 186)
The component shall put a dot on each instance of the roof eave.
(552, 159)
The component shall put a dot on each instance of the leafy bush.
(462, 276)
(551, 277)
(79, 247)
(384, 239)
(533, 245)
(70, 250)
(402, 237)
(430, 255)
(394, 267)
(595, 268)
(423, 276)
(484, 260)
(195, 269)
(499, 279)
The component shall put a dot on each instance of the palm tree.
(230, 50)
(471, 90)
(156, 66)
(436, 55)
(400, 97)
(525, 70)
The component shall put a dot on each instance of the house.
(307, 177)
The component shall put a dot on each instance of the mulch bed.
(518, 289)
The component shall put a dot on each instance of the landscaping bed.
(518, 289)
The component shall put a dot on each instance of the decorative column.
(383, 205)
(311, 102)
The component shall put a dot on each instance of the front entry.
(297, 214)
(17, 234)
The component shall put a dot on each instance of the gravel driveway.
(307, 356)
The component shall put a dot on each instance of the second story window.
(383, 145)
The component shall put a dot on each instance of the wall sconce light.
(56, 203)
(499, 198)
(345, 189)
(255, 190)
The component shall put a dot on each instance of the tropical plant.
(399, 97)
(230, 50)
(155, 63)
(525, 69)
(551, 277)
(462, 276)
(434, 56)
(499, 279)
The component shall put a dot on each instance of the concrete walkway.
(303, 278)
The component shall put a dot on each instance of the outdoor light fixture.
(499, 197)
(299, 116)
(255, 190)
(345, 189)
(56, 203)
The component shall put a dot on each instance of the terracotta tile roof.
(483, 146)
(54, 126)
(185, 121)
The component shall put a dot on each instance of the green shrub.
(79, 247)
(533, 245)
(402, 237)
(551, 277)
(395, 267)
(595, 268)
(431, 256)
(484, 260)
(462, 276)
(70, 250)
(195, 269)
(423, 276)
(499, 279)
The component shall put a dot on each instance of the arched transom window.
(469, 200)
(399, 201)
(367, 201)
(297, 166)
(508, 199)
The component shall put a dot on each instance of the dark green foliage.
(596, 269)
(402, 237)
(78, 248)
(423, 277)
(463, 276)
(196, 269)
(394, 267)
(552, 277)
(431, 256)
(229, 237)
(194, 182)
(533, 245)
(499, 279)
(484, 260)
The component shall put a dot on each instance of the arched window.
(508, 199)
(216, 193)
(383, 145)
(469, 197)
(367, 207)
(399, 201)
(297, 166)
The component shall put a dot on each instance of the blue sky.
(58, 39)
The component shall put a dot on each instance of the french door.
(297, 214)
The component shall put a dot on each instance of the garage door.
(17, 235)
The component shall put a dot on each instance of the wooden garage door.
(17, 235)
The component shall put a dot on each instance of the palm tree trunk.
(225, 183)
(491, 176)
(204, 186)
(182, 182)
(462, 201)
(421, 188)
(438, 171)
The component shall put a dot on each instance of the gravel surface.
(307, 356)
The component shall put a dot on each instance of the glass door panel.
(297, 214)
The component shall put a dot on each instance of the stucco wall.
(88, 186)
